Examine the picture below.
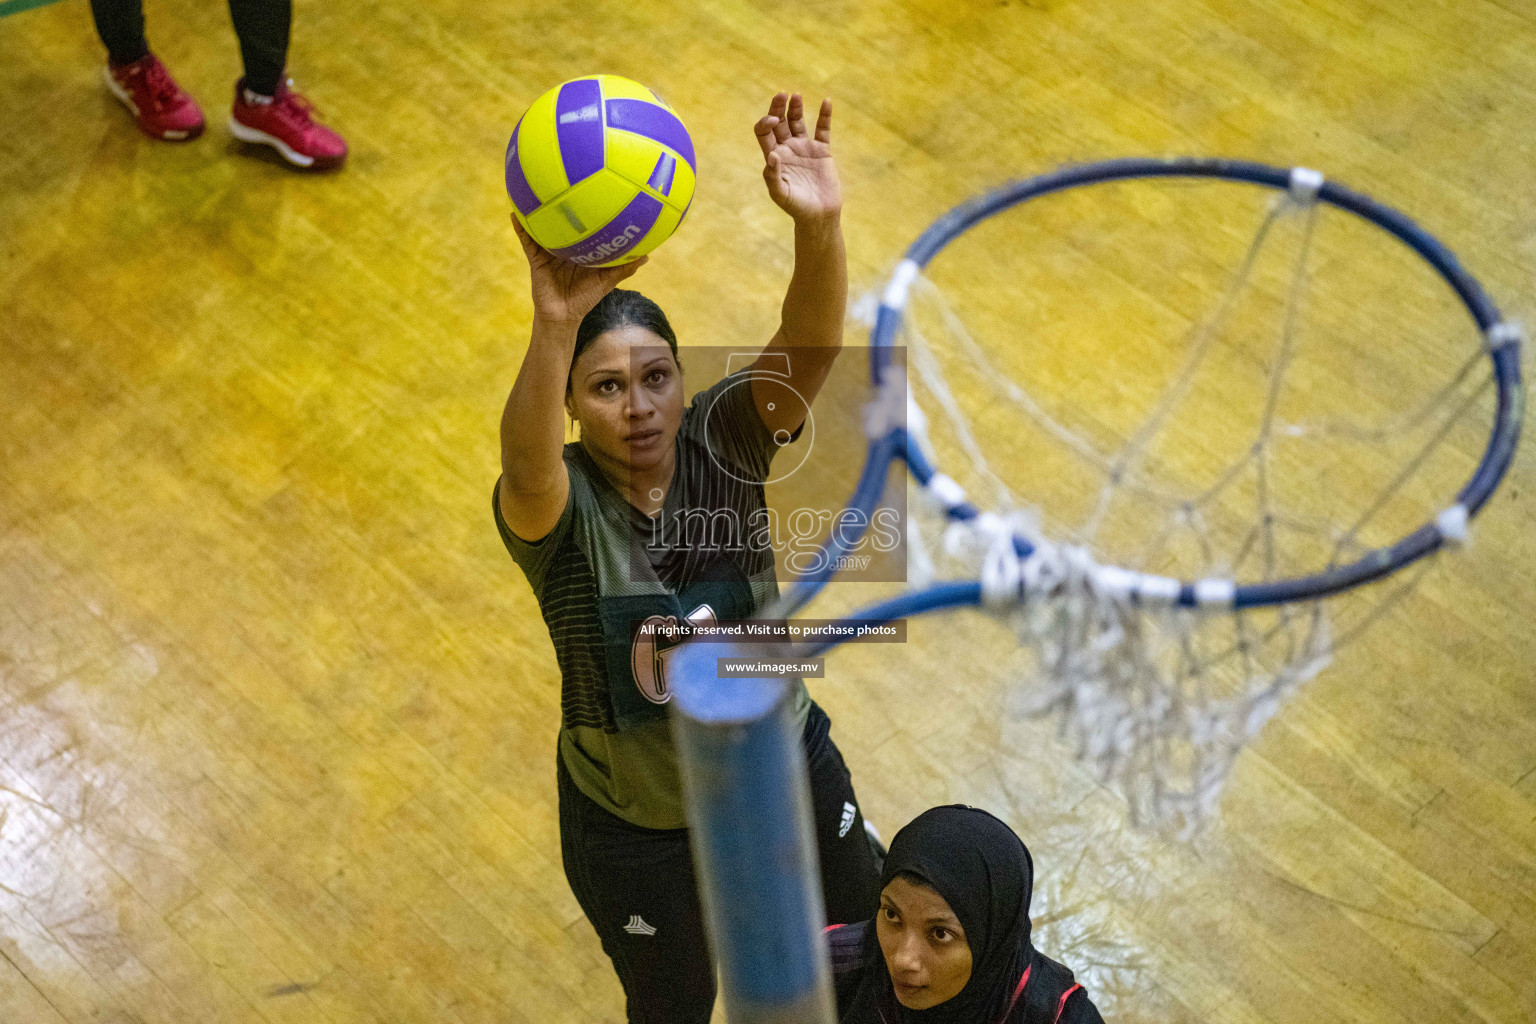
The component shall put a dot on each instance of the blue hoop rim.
(1497, 456)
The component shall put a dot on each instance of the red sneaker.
(284, 122)
(157, 103)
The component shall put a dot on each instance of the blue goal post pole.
(749, 820)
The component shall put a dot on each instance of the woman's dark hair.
(622, 308)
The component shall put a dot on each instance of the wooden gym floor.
(277, 713)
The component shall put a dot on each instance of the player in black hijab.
(950, 943)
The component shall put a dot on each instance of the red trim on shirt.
(1062, 1005)
(1016, 993)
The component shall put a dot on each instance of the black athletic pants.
(637, 886)
(262, 26)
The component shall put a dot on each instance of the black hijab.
(985, 874)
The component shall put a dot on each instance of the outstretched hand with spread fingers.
(798, 167)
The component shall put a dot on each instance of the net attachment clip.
(1452, 525)
(1305, 184)
(1215, 593)
(946, 492)
(895, 296)
(1503, 334)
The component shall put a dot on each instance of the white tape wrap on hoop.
(1051, 567)
(1157, 590)
(1125, 586)
(1305, 184)
(1001, 571)
(895, 296)
(1214, 593)
(1119, 584)
(948, 494)
(1507, 332)
(1452, 525)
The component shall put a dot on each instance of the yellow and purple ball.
(600, 170)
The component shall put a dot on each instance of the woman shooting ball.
(594, 526)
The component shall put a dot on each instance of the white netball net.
(1157, 699)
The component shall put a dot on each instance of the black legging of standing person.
(638, 887)
(262, 26)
